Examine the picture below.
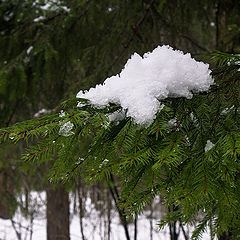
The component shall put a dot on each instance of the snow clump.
(144, 81)
(209, 146)
(41, 112)
(65, 129)
(29, 50)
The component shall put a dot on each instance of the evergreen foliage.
(168, 158)
(52, 48)
(77, 44)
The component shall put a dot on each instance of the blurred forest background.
(52, 49)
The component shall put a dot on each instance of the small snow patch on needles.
(144, 81)
(65, 129)
(209, 146)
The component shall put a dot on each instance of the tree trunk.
(6, 195)
(226, 236)
(135, 227)
(174, 234)
(114, 192)
(80, 207)
(151, 221)
(223, 12)
(57, 213)
(109, 218)
(173, 231)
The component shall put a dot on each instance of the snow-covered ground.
(94, 224)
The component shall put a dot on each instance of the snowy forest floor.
(94, 224)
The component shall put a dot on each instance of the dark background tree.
(52, 49)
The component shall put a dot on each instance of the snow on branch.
(144, 81)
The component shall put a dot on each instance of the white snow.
(8, 17)
(94, 223)
(172, 122)
(41, 112)
(38, 19)
(65, 129)
(62, 114)
(116, 116)
(212, 24)
(144, 81)
(209, 146)
(29, 50)
(65, 8)
(227, 110)
(51, 5)
(47, 6)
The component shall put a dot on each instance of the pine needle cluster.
(169, 158)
